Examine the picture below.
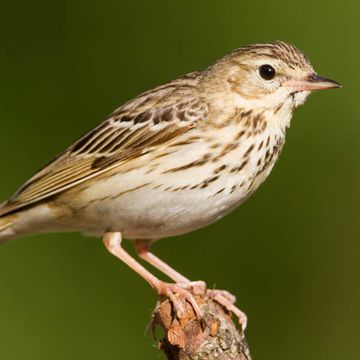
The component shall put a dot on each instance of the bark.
(215, 337)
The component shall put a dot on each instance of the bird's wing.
(142, 125)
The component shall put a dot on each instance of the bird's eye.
(267, 72)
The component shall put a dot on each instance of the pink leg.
(223, 297)
(112, 241)
(143, 250)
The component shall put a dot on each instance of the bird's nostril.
(316, 78)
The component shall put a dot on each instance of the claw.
(226, 294)
(178, 295)
(195, 287)
(228, 304)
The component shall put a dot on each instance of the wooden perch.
(187, 338)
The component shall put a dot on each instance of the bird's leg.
(142, 248)
(175, 293)
(223, 297)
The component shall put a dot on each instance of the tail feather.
(5, 222)
(6, 231)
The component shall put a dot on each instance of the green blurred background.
(290, 254)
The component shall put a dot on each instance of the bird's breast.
(184, 188)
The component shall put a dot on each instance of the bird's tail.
(6, 230)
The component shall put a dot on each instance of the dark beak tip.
(317, 78)
(336, 84)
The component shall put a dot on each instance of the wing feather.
(138, 127)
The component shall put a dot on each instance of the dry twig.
(188, 338)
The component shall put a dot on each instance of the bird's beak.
(313, 82)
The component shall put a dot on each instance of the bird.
(172, 160)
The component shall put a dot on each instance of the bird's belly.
(155, 213)
(154, 210)
(179, 196)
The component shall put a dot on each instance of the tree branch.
(187, 338)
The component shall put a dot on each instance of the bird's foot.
(230, 298)
(195, 287)
(227, 300)
(179, 294)
(222, 297)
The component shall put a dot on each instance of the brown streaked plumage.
(174, 159)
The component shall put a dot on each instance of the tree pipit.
(174, 159)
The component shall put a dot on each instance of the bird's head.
(265, 76)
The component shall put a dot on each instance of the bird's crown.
(279, 50)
